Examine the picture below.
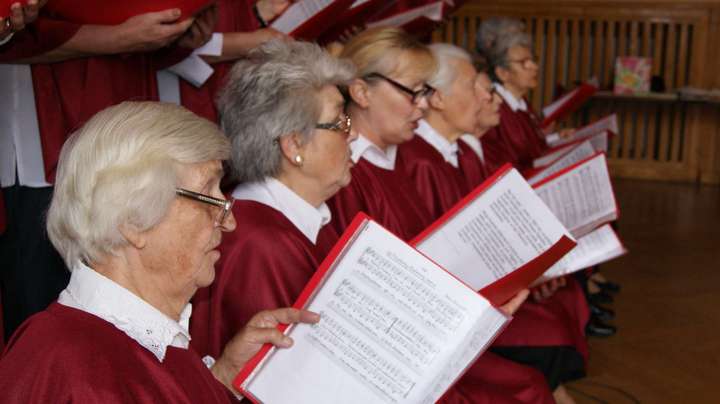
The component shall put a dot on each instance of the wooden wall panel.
(576, 40)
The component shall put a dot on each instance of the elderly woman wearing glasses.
(388, 99)
(285, 117)
(518, 139)
(138, 215)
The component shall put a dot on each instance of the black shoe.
(601, 297)
(609, 287)
(597, 328)
(601, 313)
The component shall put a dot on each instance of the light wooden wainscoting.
(661, 137)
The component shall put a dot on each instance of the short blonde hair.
(120, 168)
(377, 50)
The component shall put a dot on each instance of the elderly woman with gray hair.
(285, 117)
(518, 139)
(137, 214)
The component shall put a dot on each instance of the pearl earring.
(298, 160)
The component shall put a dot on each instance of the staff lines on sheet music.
(415, 351)
(418, 300)
(384, 377)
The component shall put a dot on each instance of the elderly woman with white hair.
(283, 112)
(388, 99)
(137, 213)
(518, 139)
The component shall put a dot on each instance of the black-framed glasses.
(415, 96)
(225, 205)
(343, 124)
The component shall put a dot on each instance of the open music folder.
(581, 196)
(405, 17)
(606, 124)
(395, 328)
(355, 17)
(308, 19)
(569, 102)
(576, 154)
(499, 239)
(598, 141)
(597, 247)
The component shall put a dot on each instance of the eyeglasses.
(526, 63)
(225, 205)
(415, 96)
(343, 124)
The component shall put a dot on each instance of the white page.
(392, 324)
(575, 155)
(599, 246)
(608, 123)
(431, 11)
(498, 232)
(581, 198)
(557, 104)
(549, 158)
(298, 13)
(599, 142)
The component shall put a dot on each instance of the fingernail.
(287, 342)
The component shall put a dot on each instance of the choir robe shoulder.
(518, 139)
(473, 169)
(439, 184)
(265, 264)
(387, 196)
(66, 355)
(233, 16)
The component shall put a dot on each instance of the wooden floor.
(667, 349)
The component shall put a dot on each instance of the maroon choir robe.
(65, 355)
(517, 140)
(233, 16)
(264, 264)
(473, 169)
(390, 198)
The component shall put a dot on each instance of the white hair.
(446, 57)
(272, 93)
(496, 36)
(121, 169)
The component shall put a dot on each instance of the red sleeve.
(347, 203)
(38, 38)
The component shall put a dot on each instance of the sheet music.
(431, 11)
(549, 158)
(575, 155)
(608, 123)
(581, 198)
(557, 104)
(298, 13)
(503, 229)
(394, 328)
(599, 246)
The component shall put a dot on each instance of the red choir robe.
(517, 140)
(233, 16)
(390, 198)
(264, 264)
(556, 322)
(473, 169)
(64, 355)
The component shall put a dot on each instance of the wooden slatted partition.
(661, 137)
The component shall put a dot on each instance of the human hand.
(201, 30)
(270, 9)
(261, 329)
(150, 31)
(565, 133)
(513, 304)
(20, 16)
(548, 289)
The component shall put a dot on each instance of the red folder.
(502, 290)
(117, 12)
(354, 17)
(418, 26)
(569, 103)
(311, 29)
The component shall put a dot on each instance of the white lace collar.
(448, 150)
(514, 103)
(93, 293)
(271, 192)
(364, 148)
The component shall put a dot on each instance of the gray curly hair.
(496, 36)
(271, 94)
